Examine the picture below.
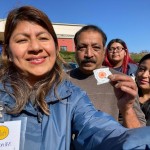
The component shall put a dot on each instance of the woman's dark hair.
(145, 57)
(127, 58)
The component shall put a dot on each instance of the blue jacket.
(132, 68)
(74, 114)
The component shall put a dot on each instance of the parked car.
(69, 66)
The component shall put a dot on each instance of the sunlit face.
(115, 56)
(90, 51)
(32, 49)
(143, 75)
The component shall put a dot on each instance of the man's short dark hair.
(90, 28)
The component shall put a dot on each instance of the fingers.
(131, 90)
(120, 77)
(128, 84)
(125, 83)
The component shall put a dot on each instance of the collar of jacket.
(63, 91)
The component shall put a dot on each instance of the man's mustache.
(88, 60)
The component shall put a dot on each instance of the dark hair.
(90, 28)
(145, 57)
(9, 73)
(127, 58)
(27, 13)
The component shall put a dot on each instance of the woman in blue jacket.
(34, 87)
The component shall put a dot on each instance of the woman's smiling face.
(117, 56)
(143, 75)
(32, 49)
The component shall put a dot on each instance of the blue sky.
(125, 19)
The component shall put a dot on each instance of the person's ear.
(104, 51)
(103, 55)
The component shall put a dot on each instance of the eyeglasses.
(118, 49)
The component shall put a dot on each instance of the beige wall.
(66, 30)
